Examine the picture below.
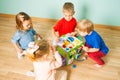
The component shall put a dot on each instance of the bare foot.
(97, 65)
(86, 54)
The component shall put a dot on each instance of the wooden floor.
(13, 69)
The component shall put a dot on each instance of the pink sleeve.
(57, 62)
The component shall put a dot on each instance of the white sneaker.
(30, 73)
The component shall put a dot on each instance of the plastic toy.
(74, 66)
(70, 48)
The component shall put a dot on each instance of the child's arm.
(75, 32)
(86, 49)
(18, 48)
(55, 35)
(57, 62)
(15, 40)
(38, 37)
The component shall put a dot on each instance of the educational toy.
(70, 48)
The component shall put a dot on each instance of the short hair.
(20, 18)
(85, 25)
(68, 6)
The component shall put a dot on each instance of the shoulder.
(95, 33)
(42, 62)
(17, 35)
(61, 20)
(74, 19)
(92, 35)
(32, 30)
(18, 32)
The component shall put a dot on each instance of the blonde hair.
(85, 26)
(68, 6)
(44, 48)
(20, 18)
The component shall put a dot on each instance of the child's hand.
(85, 48)
(73, 33)
(56, 39)
(38, 37)
(19, 50)
(53, 49)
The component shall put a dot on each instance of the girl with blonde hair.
(45, 61)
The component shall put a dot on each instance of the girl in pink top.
(45, 64)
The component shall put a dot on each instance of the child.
(24, 34)
(95, 46)
(44, 63)
(67, 23)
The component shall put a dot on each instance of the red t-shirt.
(64, 27)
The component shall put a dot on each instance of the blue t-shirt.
(24, 38)
(94, 40)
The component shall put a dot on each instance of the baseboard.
(33, 18)
(55, 20)
(107, 27)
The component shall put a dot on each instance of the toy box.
(70, 48)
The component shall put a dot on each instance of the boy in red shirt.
(66, 24)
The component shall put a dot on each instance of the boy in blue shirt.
(95, 47)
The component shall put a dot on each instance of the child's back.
(45, 70)
(44, 64)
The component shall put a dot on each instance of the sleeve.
(16, 37)
(57, 26)
(57, 62)
(97, 43)
(33, 31)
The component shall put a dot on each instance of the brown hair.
(44, 48)
(68, 6)
(85, 26)
(20, 18)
